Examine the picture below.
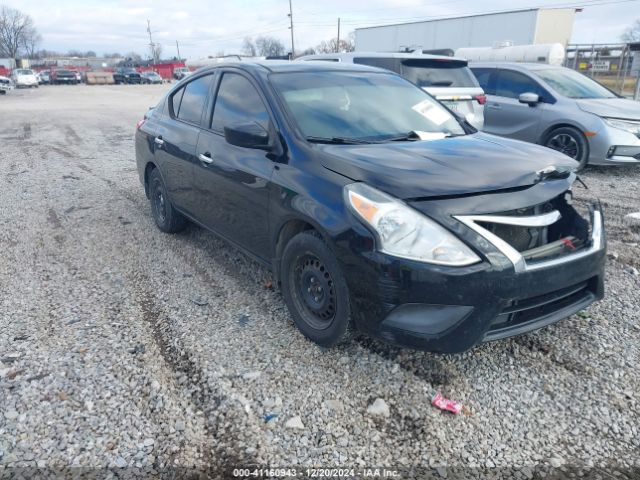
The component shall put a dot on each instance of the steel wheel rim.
(160, 204)
(314, 292)
(564, 143)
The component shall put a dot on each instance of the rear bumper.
(447, 310)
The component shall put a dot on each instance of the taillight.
(140, 123)
(482, 99)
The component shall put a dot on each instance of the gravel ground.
(123, 346)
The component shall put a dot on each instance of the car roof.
(351, 55)
(522, 66)
(278, 66)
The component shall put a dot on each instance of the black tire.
(315, 290)
(571, 142)
(167, 218)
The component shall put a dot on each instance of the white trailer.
(552, 54)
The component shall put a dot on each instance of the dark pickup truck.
(63, 76)
(126, 75)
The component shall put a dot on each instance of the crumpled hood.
(611, 107)
(452, 166)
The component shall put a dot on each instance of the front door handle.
(496, 106)
(159, 141)
(205, 157)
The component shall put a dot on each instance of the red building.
(165, 70)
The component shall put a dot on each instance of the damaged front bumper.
(451, 309)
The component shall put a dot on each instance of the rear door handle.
(496, 106)
(205, 157)
(159, 141)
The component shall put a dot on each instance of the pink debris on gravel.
(445, 404)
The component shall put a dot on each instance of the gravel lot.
(123, 346)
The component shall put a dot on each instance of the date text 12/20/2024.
(315, 473)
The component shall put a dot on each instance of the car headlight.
(404, 232)
(628, 125)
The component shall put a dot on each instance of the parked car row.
(552, 106)
(376, 208)
(27, 78)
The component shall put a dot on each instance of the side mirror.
(247, 135)
(530, 99)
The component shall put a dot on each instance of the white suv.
(448, 79)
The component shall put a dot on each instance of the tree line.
(266, 46)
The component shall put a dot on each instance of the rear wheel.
(571, 142)
(167, 218)
(315, 290)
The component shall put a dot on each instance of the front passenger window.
(512, 84)
(238, 101)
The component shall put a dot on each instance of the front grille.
(535, 312)
(565, 236)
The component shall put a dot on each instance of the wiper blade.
(413, 136)
(338, 140)
(407, 137)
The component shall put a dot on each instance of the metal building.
(520, 27)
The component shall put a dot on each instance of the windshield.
(573, 84)
(438, 73)
(362, 106)
(24, 72)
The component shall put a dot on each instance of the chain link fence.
(616, 66)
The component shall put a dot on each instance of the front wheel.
(571, 142)
(315, 290)
(167, 218)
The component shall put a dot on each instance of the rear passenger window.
(484, 78)
(391, 64)
(237, 102)
(512, 84)
(193, 99)
(175, 102)
(438, 73)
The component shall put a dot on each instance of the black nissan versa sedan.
(376, 208)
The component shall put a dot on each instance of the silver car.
(448, 79)
(561, 109)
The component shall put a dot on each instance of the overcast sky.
(211, 26)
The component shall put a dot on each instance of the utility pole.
(151, 44)
(338, 42)
(178, 48)
(293, 51)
